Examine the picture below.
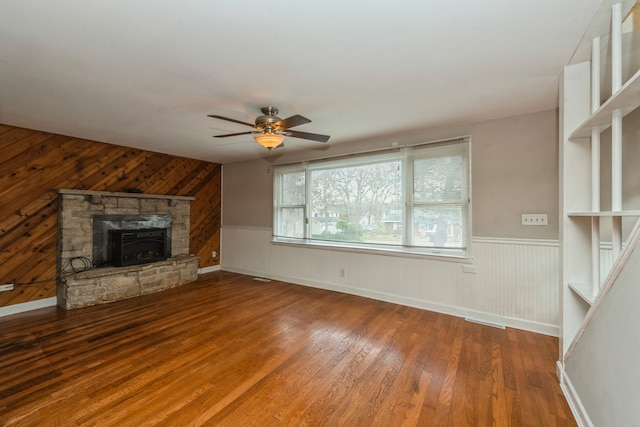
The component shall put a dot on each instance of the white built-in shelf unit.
(583, 118)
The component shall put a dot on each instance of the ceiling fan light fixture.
(269, 140)
(270, 130)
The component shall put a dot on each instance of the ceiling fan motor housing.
(268, 120)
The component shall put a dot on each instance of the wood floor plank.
(227, 350)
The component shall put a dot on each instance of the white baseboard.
(527, 325)
(573, 399)
(28, 306)
(209, 269)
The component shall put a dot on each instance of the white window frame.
(406, 156)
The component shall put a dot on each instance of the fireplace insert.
(131, 247)
(103, 225)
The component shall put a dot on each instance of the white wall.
(514, 171)
(602, 371)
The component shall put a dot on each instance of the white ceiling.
(146, 73)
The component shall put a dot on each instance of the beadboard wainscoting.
(515, 282)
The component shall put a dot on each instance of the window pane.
(351, 203)
(442, 176)
(293, 188)
(292, 222)
(442, 226)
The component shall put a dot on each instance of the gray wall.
(514, 171)
(247, 194)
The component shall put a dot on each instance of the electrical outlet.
(469, 268)
(343, 272)
(534, 219)
(214, 254)
(6, 287)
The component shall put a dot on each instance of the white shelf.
(584, 291)
(626, 100)
(583, 263)
(606, 213)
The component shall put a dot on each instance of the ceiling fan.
(271, 129)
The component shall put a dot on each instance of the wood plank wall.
(34, 165)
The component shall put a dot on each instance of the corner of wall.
(573, 398)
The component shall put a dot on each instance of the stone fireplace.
(95, 228)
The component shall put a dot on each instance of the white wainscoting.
(516, 281)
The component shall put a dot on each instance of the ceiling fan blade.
(230, 120)
(307, 135)
(292, 121)
(233, 134)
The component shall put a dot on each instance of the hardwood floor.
(228, 350)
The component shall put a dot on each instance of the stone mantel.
(77, 208)
(128, 195)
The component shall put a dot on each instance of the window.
(411, 199)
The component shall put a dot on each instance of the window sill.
(404, 252)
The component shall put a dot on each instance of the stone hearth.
(81, 285)
(103, 285)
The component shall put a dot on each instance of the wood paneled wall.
(34, 165)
